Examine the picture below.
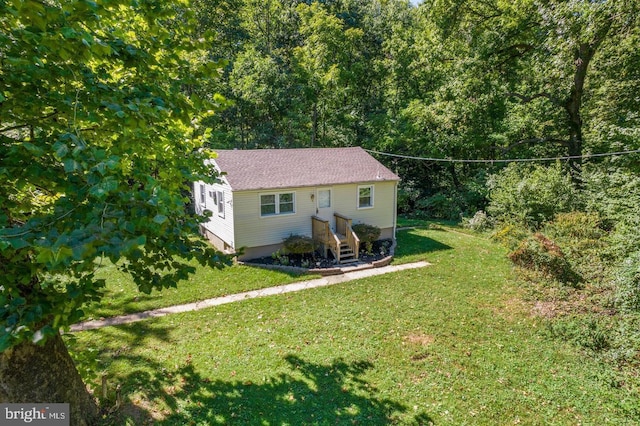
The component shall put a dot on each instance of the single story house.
(265, 195)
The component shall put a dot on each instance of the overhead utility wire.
(513, 160)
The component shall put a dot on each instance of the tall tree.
(97, 143)
(543, 52)
(328, 61)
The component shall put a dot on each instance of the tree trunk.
(572, 106)
(32, 373)
(454, 176)
(583, 55)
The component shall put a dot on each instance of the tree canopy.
(99, 136)
(451, 79)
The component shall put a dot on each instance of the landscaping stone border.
(325, 272)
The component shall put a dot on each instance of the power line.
(512, 160)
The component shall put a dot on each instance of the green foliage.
(577, 226)
(589, 333)
(299, 244)
(445, 206)
(366, 233)
(449, 202)
(97, 140)
(280, 258)
(479, 222)
(583, 241)
(530, 195)
(465, 79)
(615, 195)
(627, 282)
(540, 254)
(408, 196)
(510, 235)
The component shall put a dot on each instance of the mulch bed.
(317, 261)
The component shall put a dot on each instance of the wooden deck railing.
(321, 232)
(343, 227)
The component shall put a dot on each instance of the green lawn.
(123, 297)
(452, 343)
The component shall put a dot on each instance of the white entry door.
(324, 206)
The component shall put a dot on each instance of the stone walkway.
(271, 291)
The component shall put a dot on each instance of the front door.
(324, 206)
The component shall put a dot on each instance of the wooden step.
(346, 254)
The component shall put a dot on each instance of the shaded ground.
(304, 393)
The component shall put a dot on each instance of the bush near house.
(299, 244)
(367, 235)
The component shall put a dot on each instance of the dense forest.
(462, 80)
(520, 119)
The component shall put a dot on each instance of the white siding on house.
(221, 222)
(254, 230)
(382, 214)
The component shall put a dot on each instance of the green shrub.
(624, 239)
(451, 200)
(530, 195)
(615, 195)
(510, 235)
(540, 254)
(445, 206)
(408, 194)
(366, 233)
(577, 226)
(479, 222)
(627, 282)
(583, 240)
(299, 244)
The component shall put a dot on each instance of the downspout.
(395, 211)
(392, 250)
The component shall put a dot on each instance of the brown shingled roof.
(294, 168)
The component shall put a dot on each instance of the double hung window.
(276, 204)
(365, 197)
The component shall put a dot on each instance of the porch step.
(346, 254)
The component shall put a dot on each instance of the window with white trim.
(220, 199)
(203, 195)
(365, 197)
(279, 203)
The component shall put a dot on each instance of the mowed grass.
(452, 343)
(123, 297)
